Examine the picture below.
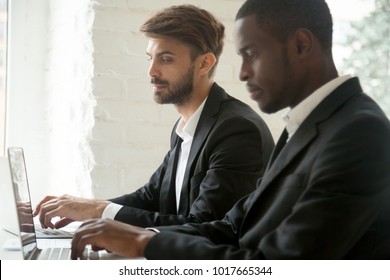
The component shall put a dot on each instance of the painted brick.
(131, 133)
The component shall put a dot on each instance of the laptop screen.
(22, 199)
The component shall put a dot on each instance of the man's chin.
(268, 108)
(158, 98)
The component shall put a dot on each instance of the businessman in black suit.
(219, 147)
(326, 190)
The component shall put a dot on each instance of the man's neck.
(316, 78)
(200, 94)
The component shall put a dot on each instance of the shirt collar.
(295, 117)
(187, 130)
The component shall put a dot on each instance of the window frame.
(4, 12)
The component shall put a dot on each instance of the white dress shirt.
(295, 117)
(186, 132)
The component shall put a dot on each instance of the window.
(3, 71)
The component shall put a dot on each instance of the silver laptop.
(27, 230)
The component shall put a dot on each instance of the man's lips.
(254, 91)
(158, 86)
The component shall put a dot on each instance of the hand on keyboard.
(64, 254)
(52, 233)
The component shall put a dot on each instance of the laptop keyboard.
(55, 254)
(64, 254)
(52, 233)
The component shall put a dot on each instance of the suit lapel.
(289, 151)
(207, 120)
(279, 146)
(168, 191)
(307, 131)
(302, 138)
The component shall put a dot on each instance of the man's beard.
(179, 92)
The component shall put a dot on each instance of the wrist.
(144, 239)
(99, 208)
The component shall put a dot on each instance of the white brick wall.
(77, 83)
(131, 132)
(80, 101)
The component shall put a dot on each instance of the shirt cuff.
(111, 210)
(153, 229)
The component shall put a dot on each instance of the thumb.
(63, 222)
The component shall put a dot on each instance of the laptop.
(57, 246)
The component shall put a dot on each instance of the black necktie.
(170, 205)
(279, 146)
(175, 155)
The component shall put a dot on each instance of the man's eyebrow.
(244, 49)
(161, 53)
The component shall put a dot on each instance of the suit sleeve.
(346, 194)
(212, 240)
(234, 160)
(141, 207)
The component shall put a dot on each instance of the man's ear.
(303, 41)
(206, 63)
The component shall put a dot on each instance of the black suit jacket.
(325, 196)
(230, 150)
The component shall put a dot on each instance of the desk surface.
(14, 253)
(9, 222)
(8, 254)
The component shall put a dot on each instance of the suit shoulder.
(235, 107)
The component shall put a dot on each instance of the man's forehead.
(246, 31)
(247, 21)
(165, 45)
(245, 26)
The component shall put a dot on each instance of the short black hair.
(281, 17)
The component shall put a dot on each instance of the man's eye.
(166, 59)
(251, 55)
